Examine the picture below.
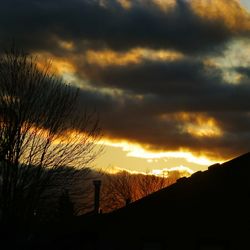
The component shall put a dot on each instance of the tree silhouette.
(149, 183)
(41, 127)
(118, 190)
(123, 187)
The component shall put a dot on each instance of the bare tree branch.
(40, 128)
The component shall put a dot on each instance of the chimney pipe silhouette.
(97, 184)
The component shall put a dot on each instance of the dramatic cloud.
(215, 134)
(188, 26)
(160, 73)
(180, 171)
(181, 85)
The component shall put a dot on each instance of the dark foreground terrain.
(207, 211)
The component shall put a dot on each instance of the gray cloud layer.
(186, 85)
(150, 89)
(38, 25)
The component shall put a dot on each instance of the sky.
(169, 78)
(246, 4)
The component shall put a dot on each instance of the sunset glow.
(137, 151)
(184, 171)
(168, 78)
(119, 116)
(230, 13)
(199, 125)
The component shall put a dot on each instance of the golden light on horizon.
(138, 151)
(116, 170)
(164, 172)
(182, 170)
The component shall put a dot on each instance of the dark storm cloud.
(151, 92)
(39, 24)
(171, 77)
(154, 93)
(186, 84)
(153, 120)
(244, 71)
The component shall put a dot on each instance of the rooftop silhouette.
(206, 211)
(209, 210)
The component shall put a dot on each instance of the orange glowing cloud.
(231, 13)
(195, 124)
(165, 5)
(126, 4)
(56, 65)
(62, 66)
(199, 125)
(135, 56)
(67, 45)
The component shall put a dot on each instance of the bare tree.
(41, 128)
(124, 187)
(149, 183)
(118, 190)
